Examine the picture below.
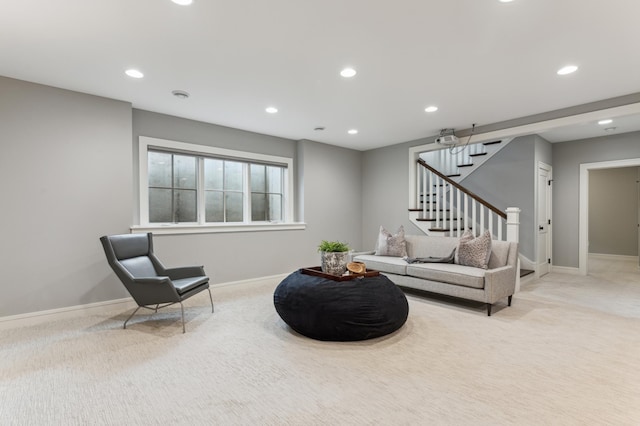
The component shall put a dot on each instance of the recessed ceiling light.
(180, 94)
(271, 110)
(506, 1)
(183, 2)
(567, 70)
(348, 72)
(603, 122)
(431, 108)
(134, 73)
(353, 132)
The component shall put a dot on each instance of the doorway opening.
(584, 234)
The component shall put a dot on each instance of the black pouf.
(323, 309)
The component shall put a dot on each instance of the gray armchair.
(132, 259)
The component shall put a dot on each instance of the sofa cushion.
(390, 264)
(391, 244)
(466, 276)
(424, 246)
(474, 252)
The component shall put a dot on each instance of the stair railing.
(473, 212)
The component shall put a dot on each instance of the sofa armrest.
(353, 254)
(499, 283)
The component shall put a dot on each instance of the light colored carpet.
(566, 353)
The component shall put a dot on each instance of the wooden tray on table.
(317, 271)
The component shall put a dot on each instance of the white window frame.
(146, 143)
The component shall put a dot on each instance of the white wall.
(65, 180)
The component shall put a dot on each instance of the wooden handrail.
(463, 189)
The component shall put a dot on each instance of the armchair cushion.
(140, 266)
(185, 285)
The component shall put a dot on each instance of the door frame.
(583, 237)
(549, 195)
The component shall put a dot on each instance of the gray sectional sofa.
(489, 285)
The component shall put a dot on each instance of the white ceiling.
(479, 61)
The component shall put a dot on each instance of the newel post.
(513, 224)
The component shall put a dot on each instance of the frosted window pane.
(159, 169)
(274, 179)
(257, 178)
(184, 172)
(258, 205)
(213, 174)
(233, 206)
(214, 206)
(275, 207)
(160, 205)
(184, 202)
(233, 176)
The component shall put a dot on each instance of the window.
(184, 185)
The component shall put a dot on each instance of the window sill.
(215, 229)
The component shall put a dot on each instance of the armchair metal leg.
(130, 316)
(210, 298)
(182, 309)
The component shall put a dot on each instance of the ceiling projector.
(447, 140)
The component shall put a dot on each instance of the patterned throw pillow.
(474, 251)
(391, 244)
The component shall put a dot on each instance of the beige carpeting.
(566, 353)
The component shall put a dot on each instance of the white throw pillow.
(391, 244)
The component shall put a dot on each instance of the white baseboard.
(565, 270)
(40, 316)
(35, 317)
(278, 278)
(613, 256)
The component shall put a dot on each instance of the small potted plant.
(334, 257)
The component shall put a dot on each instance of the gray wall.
(508, 180)
(567, 157)
(505, 180)
(385, 196)
(332, 195)
(613, 211)
(68, 172)
(65, 178)
(332, 178)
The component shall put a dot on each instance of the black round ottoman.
(323, 309)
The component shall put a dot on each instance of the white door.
(544, 219)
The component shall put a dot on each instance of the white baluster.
(499, 228)
(424, 191)
(481, 230)
(466, 212)
(459, 208)
(430, 198)
(490, 219)
(451, 225)
(474, 205)
(437, 196)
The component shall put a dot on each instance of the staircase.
(458, 162)
(441, 206)
(446, 208)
